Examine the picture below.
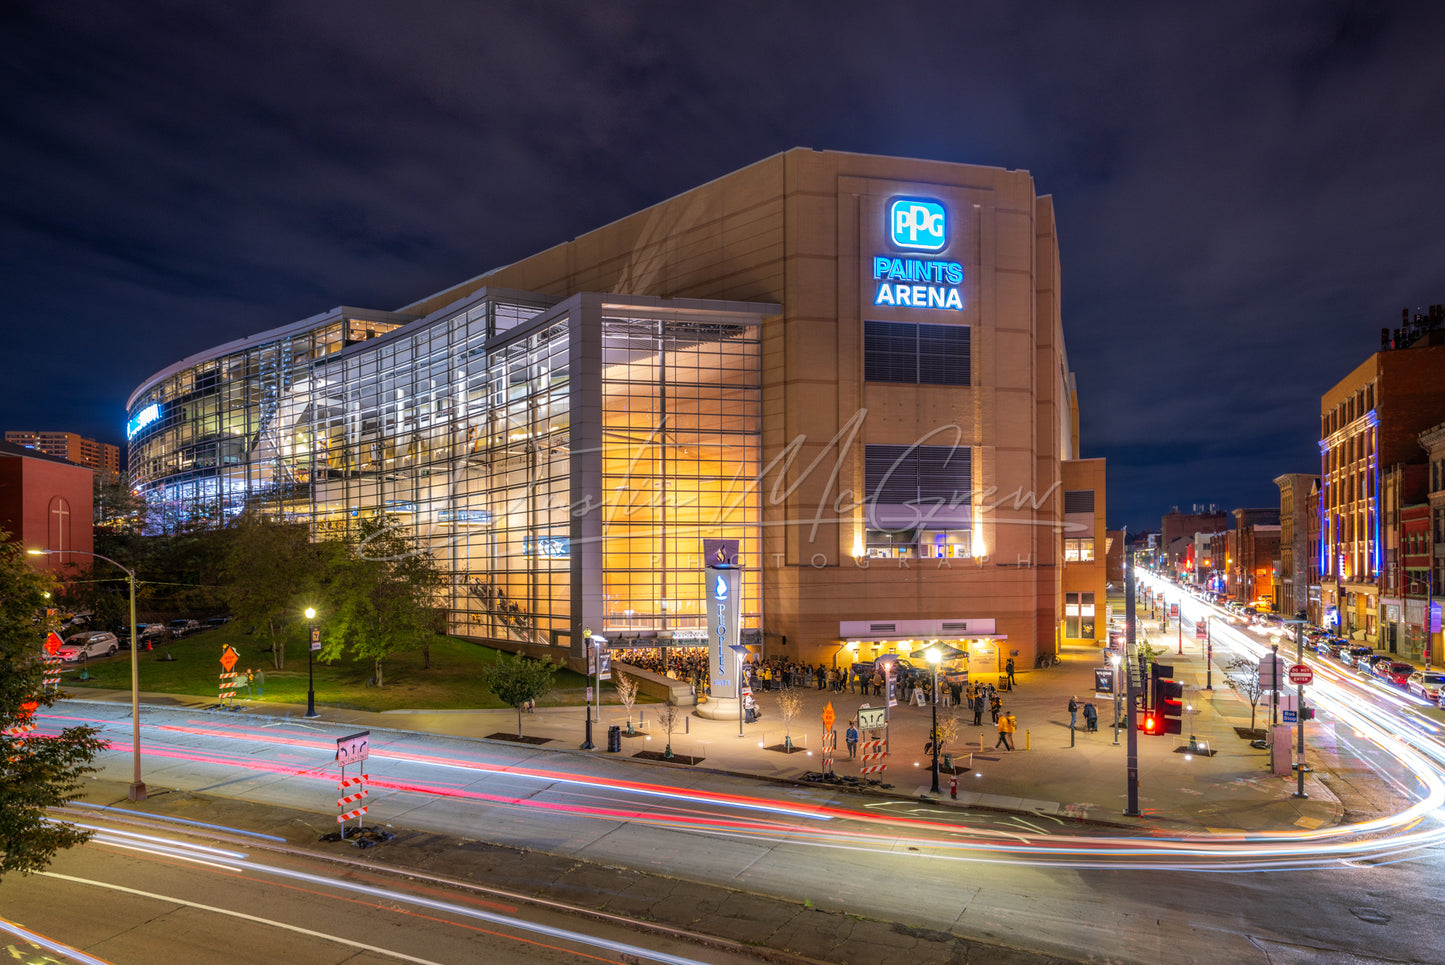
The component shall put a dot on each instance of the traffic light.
(1149, 722)
(1171, 706)
(1158, 673)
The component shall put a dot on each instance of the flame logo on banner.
(720, 589)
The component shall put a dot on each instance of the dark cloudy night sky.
(1246, 192)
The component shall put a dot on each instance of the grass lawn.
(453, 682)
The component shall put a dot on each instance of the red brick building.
(45, 503)
(1370, 421)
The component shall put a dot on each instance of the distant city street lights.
(312, 646)
(137, 791)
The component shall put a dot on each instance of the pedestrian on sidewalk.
(1073, 712)
(1091, 718)
(852, 738)
(995, 706)
(260, 683)
(1009, 669)
(976, 702)
(250, 679)
(1005, 731)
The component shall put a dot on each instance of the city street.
(1085, 889)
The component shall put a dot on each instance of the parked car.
(1426, 684)
(1367, 664)
(153, 633)
(83, 646)
(76, 621)
(1324, 646)
(214, 622)
(1354, 655)
(182, 628)
(1393, 671)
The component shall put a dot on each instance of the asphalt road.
(137, 895)
(1051, 889)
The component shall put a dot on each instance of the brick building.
(1371, 420)
(1294, 580)
(45, 503)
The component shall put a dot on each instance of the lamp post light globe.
(137, 790)
(313, 643)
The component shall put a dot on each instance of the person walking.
(260, 683)
(1005, 732)
(1073, 712)
(250, 679)
(1009, 669)
(852, 739)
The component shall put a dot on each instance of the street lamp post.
(1208, 652)
(137, 791)
(933, 657)
(1114, 662)
(313, 644)
(589, 655)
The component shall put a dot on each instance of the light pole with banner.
(933, 657)
(137, 790)
(1208, 652)
(313, 645)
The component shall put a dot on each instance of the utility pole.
(1132, 753)
(1299, 713)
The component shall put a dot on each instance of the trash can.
(614, 739)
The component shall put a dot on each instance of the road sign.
(1289, 717)
(828, 717)
(872, 718)
(228, 659)
(353, 749)
(1271, 672)
(1300, 674)
(53, 643)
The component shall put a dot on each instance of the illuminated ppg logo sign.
(918, 224)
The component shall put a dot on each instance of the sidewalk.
(1044, 775)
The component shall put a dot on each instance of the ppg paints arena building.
(852, 365)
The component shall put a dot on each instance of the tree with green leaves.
(36, 773)
(382, 592)
(271, 570)
(518, 680)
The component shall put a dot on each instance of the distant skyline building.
(854, 366)
(103, 457)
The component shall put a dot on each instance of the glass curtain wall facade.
(562, 461)
(681, 436)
